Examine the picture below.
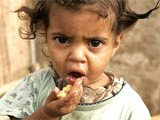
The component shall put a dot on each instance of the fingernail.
(56, 89)
(79, 82)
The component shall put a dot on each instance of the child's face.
(80, 42)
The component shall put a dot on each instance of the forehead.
(77, 20)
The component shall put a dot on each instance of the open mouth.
(73, 76)
(76, 74)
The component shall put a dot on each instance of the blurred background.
(138, 59)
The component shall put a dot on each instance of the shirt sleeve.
(139, 112)
(20, 100)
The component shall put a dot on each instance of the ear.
(117, 42)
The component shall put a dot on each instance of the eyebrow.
(86, 38)
(61, 34)
(96, 38)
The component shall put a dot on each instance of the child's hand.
(55, 107)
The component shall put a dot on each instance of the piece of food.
(64, 92)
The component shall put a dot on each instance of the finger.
(67, 104)
(66, 100)
(74, 96)
(53, 95)
(77, 86)
(56, 91)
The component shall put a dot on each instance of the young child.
(82, 36)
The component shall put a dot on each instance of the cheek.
(99, 65)
(58, 65)
(56, 58)
(101, 61)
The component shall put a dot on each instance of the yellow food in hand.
(63, 93)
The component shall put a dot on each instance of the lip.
(71, 79)
(82, 72)
(72, 68)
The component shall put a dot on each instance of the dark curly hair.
(39, 16)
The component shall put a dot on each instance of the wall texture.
(14, 52)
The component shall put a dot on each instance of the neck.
(104, 81)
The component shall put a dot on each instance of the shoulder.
(42, 73)
(133, 103)
(129, 94)
(28, 94)
(38, 80)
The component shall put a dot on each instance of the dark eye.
(61, 40)
(95, 43)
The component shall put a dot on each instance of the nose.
(77, 54)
